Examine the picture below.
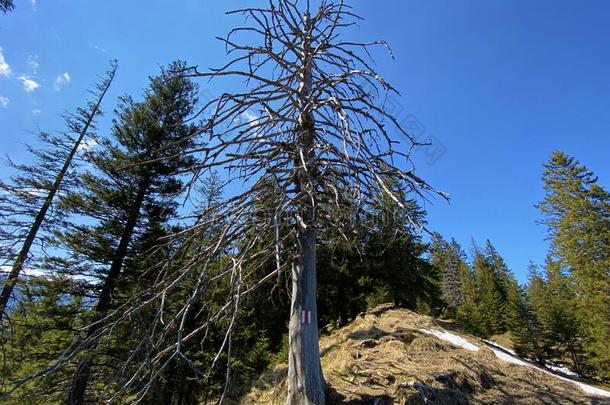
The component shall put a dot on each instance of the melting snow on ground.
(505, 354)
(502, 355)
(509, 356)
(562, 370)
(589, 389)
(451, 338)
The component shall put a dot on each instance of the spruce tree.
(501, 274)
(576, 211)
(560, 317)
(394, 251)
(489, 299)
(525, 328)
(42, 324)
(28, 197)
(131, 191)
(503, 279)
(450, 259)
(468, 313)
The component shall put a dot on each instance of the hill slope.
(395, 356)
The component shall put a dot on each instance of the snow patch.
(589, 389)
(451, 338)
(508, 358)
(505, 354)
(502, 355)
(562, 370)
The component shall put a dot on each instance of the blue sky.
(497, 86)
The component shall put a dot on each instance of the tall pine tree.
(131, 191)
(490, 302)
(526, 331)
(26, 202)
(576, 211)
(450, 259)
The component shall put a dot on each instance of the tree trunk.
(13, 277)
(306, 384)
(305, 381)
(80, 379)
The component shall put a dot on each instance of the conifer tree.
(504, 281)
(449, 258)
(501, 273)
(468, 313)
(560, 316)
(394, 250)
(132, 190)
(27, 199)
(525, 328)
(318, 131)
(42, 325)
(537, 298)
(576, 211)
(552, 301)
(489, 300)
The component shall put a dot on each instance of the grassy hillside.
(392, 356)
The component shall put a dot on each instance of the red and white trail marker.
(306, 317)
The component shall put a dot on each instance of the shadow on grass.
(333, 397)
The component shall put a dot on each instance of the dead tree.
(80, 124)
(317, 128)
(6, 6)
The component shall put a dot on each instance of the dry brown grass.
(504, 340)
(382, 358)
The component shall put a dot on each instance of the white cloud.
(36, 111)
(61, 81)
(4, 102)
(33, 63)
(251, 118)
(5, 69)
(25, 272)
(100, 48)
(88, 144)
(28, 83)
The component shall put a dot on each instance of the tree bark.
(13, 277)
(81, 377)
(305, 381)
